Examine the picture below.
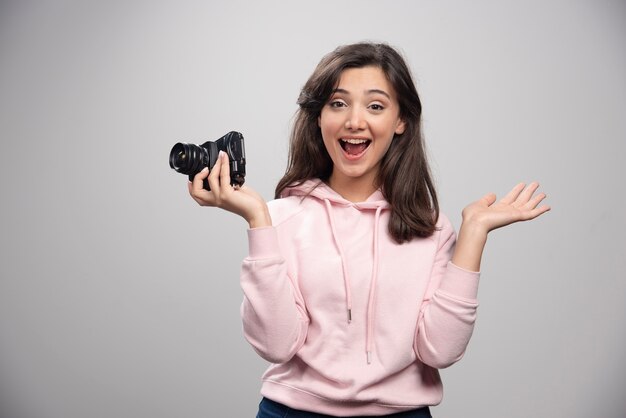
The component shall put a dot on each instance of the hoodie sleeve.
(448, 312)
(274, 318)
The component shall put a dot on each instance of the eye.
(336, 103)
(376, 106)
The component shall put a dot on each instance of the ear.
(400, 127)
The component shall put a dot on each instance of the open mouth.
(354, 146)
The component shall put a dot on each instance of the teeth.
(354, 140)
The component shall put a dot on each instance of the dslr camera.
(190, 159)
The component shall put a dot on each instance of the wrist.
(260, 219)
(470, 244)
(473, 228)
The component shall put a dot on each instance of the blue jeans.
(270, 409)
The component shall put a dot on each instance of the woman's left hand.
(520, 204)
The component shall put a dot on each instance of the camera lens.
(188, 158)
(180, 158)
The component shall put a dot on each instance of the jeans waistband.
(271, 409)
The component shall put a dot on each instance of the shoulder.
(443, 222)
(445, 230)
(283, 209)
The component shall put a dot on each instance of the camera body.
(190, 159)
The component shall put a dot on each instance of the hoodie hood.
(375, 202)
(318, 189)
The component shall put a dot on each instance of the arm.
(274, 318)
(275, 321)
(449, 308)
(449, 305)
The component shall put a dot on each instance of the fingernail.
(205, 169)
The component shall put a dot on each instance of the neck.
(353, 189)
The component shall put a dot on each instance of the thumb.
(488, 199)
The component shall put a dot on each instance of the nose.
(355, 120)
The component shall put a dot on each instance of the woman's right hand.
(243, 201)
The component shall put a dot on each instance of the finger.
(527, 193)
(225, 177)
(534, 202)
(536, 212)
(192, 192)
(198, 180)
(197, 191)
(489, 199)
(214, 177)
(513, 194)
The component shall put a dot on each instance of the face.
(358, 124)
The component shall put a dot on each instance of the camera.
(190, 159)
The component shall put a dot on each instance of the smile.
(354, 147)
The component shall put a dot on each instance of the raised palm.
(520, 204)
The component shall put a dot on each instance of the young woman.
(356, 288)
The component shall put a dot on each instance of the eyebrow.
(384, 93)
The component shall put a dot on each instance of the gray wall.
(119, 296)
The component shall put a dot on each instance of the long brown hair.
(404, 176)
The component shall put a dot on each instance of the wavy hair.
(404, 176)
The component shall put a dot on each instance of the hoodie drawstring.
(346, 278)
(370, 302)
(369, 333)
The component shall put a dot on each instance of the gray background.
(119, 296)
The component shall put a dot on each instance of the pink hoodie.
(354, 323)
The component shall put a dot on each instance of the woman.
(355, 287)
